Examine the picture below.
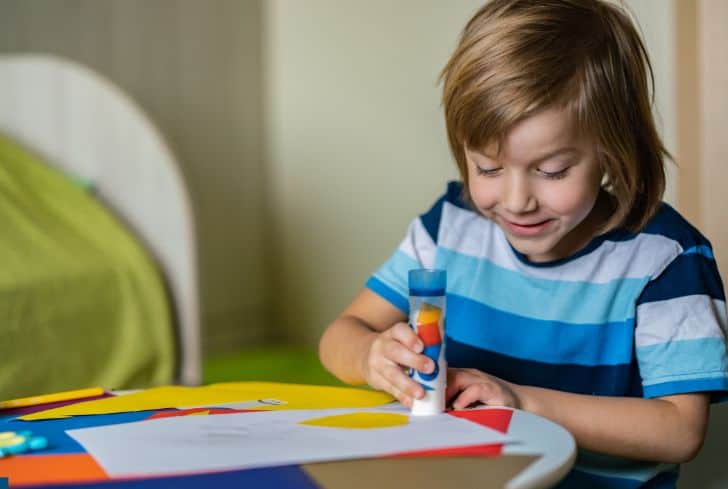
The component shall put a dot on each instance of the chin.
(536, 252)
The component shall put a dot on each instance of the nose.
(517, 196)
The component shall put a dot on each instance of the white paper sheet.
(245, 440)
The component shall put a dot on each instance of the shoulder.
(668, 239)
(692, 269)
(451, 202)
(671, 225)
(454, 195)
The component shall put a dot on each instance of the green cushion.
(81, 302)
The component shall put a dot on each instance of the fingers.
(406, 335)
(394, 351)
(469, 396)
(457, 380)
(405, 348)
(469, 386)
(401, 355)
(400, 396)
(488, 393)
(404, 384)
(402, 387)
(406, 351)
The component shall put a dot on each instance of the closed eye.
(488, 172)
(555, 175)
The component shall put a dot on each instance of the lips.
(527, 229)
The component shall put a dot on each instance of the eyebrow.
(546, 156)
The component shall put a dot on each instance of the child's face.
(542, 187)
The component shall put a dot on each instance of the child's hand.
(470, 386)
(389, 357)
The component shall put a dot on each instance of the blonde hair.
(516, 57)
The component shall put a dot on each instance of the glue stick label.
(427, 320)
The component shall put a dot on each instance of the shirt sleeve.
(417, 250)
(680, 334)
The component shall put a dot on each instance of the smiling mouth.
(529, 229)
(530, 225)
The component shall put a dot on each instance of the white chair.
(82, 123)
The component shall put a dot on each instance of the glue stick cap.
(425, 282)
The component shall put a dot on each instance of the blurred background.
(309, 133)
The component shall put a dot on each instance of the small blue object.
(38, 443)
(14, 443)
(425, 282)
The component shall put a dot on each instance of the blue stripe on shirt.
(484, 327)
(388, 293)
(577, 479)
(716, 384)
(395, 272)
(688, 358)
(568, 301)
(700, 250)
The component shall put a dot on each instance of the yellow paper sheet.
(294, 396)
(359, 420)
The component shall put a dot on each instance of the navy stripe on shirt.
(688, 274)
(669, 223)
(617, 380)
(431, 218)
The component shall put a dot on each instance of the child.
(573, 291)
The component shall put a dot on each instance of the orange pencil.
(55, 397)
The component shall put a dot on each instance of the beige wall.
(702, 95)
(713, 69)
(356, 143)
(194, 66)
(702, 117)
(656, 20)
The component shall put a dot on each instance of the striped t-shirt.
(631, 314)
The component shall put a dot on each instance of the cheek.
(483, 195)
(570, 202)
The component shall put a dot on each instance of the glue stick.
(427, 318)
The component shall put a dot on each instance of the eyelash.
(486, 173)
(556, 175)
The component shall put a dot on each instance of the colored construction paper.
(291, 476)
(256, 395)
(487, 450)
(272, 396)
(360, 420)
(496, 418)
(263, 439)
(21, 411)
(76, 468)
(54, 430)
(193, 412)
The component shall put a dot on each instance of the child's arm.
(370, 342)
(670, 429)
